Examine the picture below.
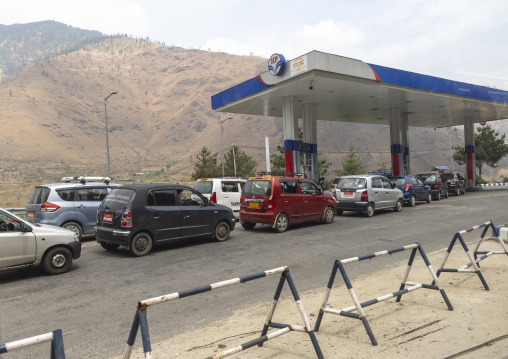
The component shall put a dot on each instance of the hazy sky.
(463, 40)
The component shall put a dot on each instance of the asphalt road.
(94, 304)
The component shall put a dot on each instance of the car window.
(161, 198)
(119, 199)
(431, 179)
(447, 176)
(399, 181)
(414, 180)
(386, 183)
(204, 187)
(229, 187)
(352, 183)
(419, 181)
(91, 194)
(66, 194)
(308, 188)
(288, 187)
(187, 197)
(336, 180)
(39, 195)
(376, 183)
(258, 188)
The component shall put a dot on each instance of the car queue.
(139, 217)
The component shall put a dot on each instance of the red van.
(283, 200)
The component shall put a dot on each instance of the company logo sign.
(276, 64)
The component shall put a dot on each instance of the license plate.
(347, 194)
(31, 214)
(108, 217)
(253, 204)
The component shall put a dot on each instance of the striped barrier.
(347, 312)
(140, 319)
(473, 258)
(493, 184)
(55, 337)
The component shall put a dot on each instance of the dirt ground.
(420, 326)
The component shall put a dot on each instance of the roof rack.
(281, 174)
(221, 176)
(85, 179)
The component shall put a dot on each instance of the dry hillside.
(52, 121)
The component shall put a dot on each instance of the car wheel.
(248, 225)
(398, 206)
(57, 260)
(329, 215)
(281, 223)
(369, 211)
(429, 198)
(412, 201)
(109, 246)
(222, 231)
(457, 191)
(76, 228)
(141, 244)
(446, 195)
(439, 196)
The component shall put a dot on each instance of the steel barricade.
(141, 322)
(55, 337)
(473, 258)
(347, 312)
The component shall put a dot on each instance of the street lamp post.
(450, 144)
(106, 122)
(221, 144)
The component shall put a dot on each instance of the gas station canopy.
(349, 90)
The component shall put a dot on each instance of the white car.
(24, 244)
(222, 190)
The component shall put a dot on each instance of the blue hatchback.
(414, 189)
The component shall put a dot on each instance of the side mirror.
(319, 191)
(25, 227)
(394, 185)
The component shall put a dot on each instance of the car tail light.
(407, 187)
(126, 219)
(49, 207)
(436, 185)
(213, 197)
(453, 182)
(365, 196)
(271, 203)
(332, 186)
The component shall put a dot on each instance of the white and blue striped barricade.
(55, 337)
(348, 312)
(473, 258)
(141, 322)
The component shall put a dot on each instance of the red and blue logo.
(276, 64)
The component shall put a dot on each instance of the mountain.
(53, 110)
(23, 44)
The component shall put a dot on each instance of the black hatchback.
(143, 215)
(437, 184)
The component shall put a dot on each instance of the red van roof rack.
(281, 174)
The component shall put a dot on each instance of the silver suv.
(68, 205)
(368, 193)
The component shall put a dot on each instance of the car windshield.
(39, 195)
(352, 183)
(258, 188)
(399, 181)
(431, 178)
(204, 187)
(118, 199)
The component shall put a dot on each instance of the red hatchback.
(281, 201)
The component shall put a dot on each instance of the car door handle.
(80, 206)
(305, 200)
(156, 216)
(187, 216)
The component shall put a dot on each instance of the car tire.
(412, 201)
(463, 190)
(75, 227)
(398, 206)
(57, 260)
(248, 225)
(329, 215)
(438, 196)
(369, 210)
(457, 191)
(446, 195)
(429, 198)
(141, 244)
(109, 246)
(281, 223)
(222, 231)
